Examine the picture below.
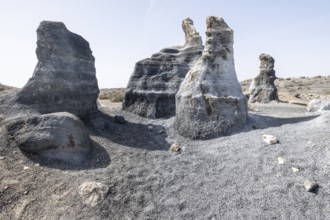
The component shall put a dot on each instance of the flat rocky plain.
(231, 177)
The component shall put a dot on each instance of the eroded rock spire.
(210, 101)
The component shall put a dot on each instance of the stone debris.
(26, 167)
(64, 79)
(93, 192)
(210, 102)
(294, 169)
(152, 87)
(280, 160)
(175, 148)
(310, 185)
(2, 158)
(262, 88)
(270, 139)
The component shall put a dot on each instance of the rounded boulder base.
(61, 136)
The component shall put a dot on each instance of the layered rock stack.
(64, 78)
(155, 81)
(262, 88)
(210, 102)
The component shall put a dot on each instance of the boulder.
(93, 193)
(318, 105)
(210, 102)
(59, 136)
(155, 81)
(262, 88)
(64, 78)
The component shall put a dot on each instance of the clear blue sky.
(121, 32)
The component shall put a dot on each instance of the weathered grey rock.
(57, 135)
(93, 192)
(262, 88)
(318, 105)
(210, 101)
(155, 81)
(310, 185)
(64, 78)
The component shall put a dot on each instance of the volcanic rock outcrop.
(262, 88)
(210, 101)
(58, 135)
(64, 78)
(155, 81)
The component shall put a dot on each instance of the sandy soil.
(231, 177)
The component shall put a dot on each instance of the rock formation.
(262, 88)
(59, 136)
(64, 78)
(318, 105)
(210, 101)
(155, 81)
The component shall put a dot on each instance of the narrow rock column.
(64, 79)
(262, 88)
(210, 102)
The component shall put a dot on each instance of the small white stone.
(150, 127)
(93, 192)
(26, 167)
(37, 165)
(294, 169)
(310, 185)
(269, 139)
(175, 148)
(280, 160)
(2, 158)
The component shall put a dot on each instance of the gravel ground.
(231, 177)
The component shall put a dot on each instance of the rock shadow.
(98, 158)
(262, 121)
(143, 136)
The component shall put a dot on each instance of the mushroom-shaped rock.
(210, 102)
(65, 76)
(155, 81)
(59, 135)
(262, 88)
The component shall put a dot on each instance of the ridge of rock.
(155, 81)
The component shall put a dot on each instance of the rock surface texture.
(210, 101)
(59, 136)
(262, 88)
(64, 78)
(155, 81)
(317, 105)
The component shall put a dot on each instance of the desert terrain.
(230, 177)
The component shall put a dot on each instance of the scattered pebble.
(269, 139)
(25, 168)
(150, 127)
(93, 192)
(14, 152)
(26, 192)
(294, 169)
(175, 148)
(37, 165)
(310, 185)
(2, 158)
(280, 160)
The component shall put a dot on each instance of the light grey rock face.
(318, 105)
(262, 88)
(59, 135)
(210, 102)
(64, 78)
(155, 81)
